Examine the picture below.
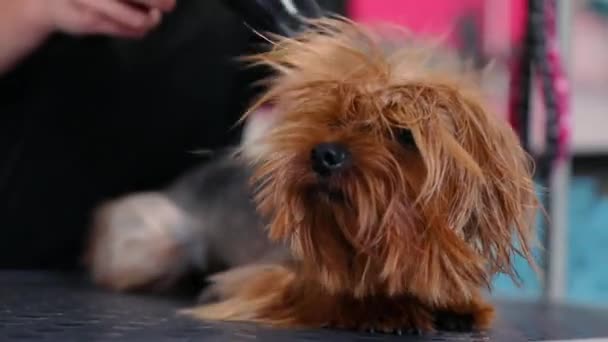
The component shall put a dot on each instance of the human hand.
(121, 18)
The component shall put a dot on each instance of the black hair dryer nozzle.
(283, 17)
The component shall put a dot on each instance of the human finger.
(120, 12)
(163, 5)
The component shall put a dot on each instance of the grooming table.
(38, 306)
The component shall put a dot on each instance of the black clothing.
(86, 119)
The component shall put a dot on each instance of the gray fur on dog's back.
(226, 226)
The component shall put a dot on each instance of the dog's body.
(396, 190)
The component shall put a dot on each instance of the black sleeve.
(87, 119)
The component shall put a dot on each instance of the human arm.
(25, 24)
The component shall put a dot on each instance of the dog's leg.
(273, 295)
(255, 293)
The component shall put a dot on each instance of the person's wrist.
(37, 16)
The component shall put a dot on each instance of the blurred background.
(100, 91)
(486, 30)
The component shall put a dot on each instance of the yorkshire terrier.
(397, 191)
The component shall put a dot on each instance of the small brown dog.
(399, 193)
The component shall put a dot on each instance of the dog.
(397, 192)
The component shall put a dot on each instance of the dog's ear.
(502, 202)
(477, 202)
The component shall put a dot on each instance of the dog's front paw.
(408, 318)
(398, 332)
(135, 243)
(475, 315)
(449, 321)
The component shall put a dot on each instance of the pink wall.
(429, 16)
(440, 17)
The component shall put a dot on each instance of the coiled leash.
(539, 55)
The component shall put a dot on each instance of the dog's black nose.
(329, 157)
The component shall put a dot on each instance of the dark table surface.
(39, 306)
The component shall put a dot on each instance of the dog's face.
(384, 170)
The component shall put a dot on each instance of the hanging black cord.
(523, 84)
(536, 31)
(541, 30)
(539, 18)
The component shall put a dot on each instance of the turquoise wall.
(587, 254)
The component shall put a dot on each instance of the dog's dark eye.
(405, 138)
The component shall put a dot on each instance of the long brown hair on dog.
(437, 199)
